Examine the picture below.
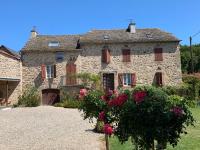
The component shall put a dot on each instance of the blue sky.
(180, 17)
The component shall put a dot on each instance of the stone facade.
(142, 62)
(85, 51)
(88, 59)
(10, 77)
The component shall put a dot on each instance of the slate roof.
(41, 42)
(122, 36)
(69, 42)
(10, 51)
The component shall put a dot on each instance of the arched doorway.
(50, 96)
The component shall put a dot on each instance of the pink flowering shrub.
(108, 129)
(101, 116)
(139, 96)
(82, 93)
(178, 111)
(118, 101)
(145, 114)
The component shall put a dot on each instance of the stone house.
(123, 58)
(10, 76)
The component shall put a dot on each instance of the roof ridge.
(57, 35)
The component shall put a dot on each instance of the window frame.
(51, 71)
(127, 79)
(126, 55)
(158, 54)
(54, 44)
(59, 56)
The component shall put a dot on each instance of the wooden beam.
(6, 93)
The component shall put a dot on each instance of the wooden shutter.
(120, 79)
(54, 69)
(158, 78)
(158, 54)
(133, 79)
(73, 73)
(70, 74)
(126, 54)
(43, 71)
(68, 70)
(105, 55)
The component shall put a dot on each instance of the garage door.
(50, 96)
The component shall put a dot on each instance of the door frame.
(113, 78)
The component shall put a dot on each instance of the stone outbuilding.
(10, 76)
(123, 58)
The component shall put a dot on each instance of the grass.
(190, 141)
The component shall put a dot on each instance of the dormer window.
(59, 56)
(54, 44)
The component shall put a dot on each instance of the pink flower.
(178, 111)
(110, 93)
(108, 129)
(106, 98)
(116, 93)
(118, 101)
(139, 96)
(82, 93)
(102, 116)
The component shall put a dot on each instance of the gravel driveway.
(46, 128)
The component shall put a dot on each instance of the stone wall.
(32, 62)
(89, 60)
(142, 62)
(11, 68)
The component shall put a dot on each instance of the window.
(54, 44)
(127, 79)
(158, 79)
(158, 54)
(49, 71)
(126, 55)
(106, 55)
(59, 56)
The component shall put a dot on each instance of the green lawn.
(190, 141)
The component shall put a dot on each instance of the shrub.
(68, 101)
(193, 84)
(99, 126)
(146, 114)
(29, 98)
(182, 91)
(90, 81)
(92, 104)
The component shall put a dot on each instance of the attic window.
(149, 35)
(54, 44)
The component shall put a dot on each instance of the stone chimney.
(33, 32)
(131, 28)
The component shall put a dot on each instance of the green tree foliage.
(186, 58)
(29, 98)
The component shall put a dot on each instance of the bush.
(146, 114)
(193, 84)
(68, 101)
(29, 98)
(99, 126)
(182, 91)
(92, 104)
(90, 81)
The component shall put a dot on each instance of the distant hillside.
(186, 58)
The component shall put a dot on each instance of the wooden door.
(71, 74)
(50, 96)
(108, 81)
